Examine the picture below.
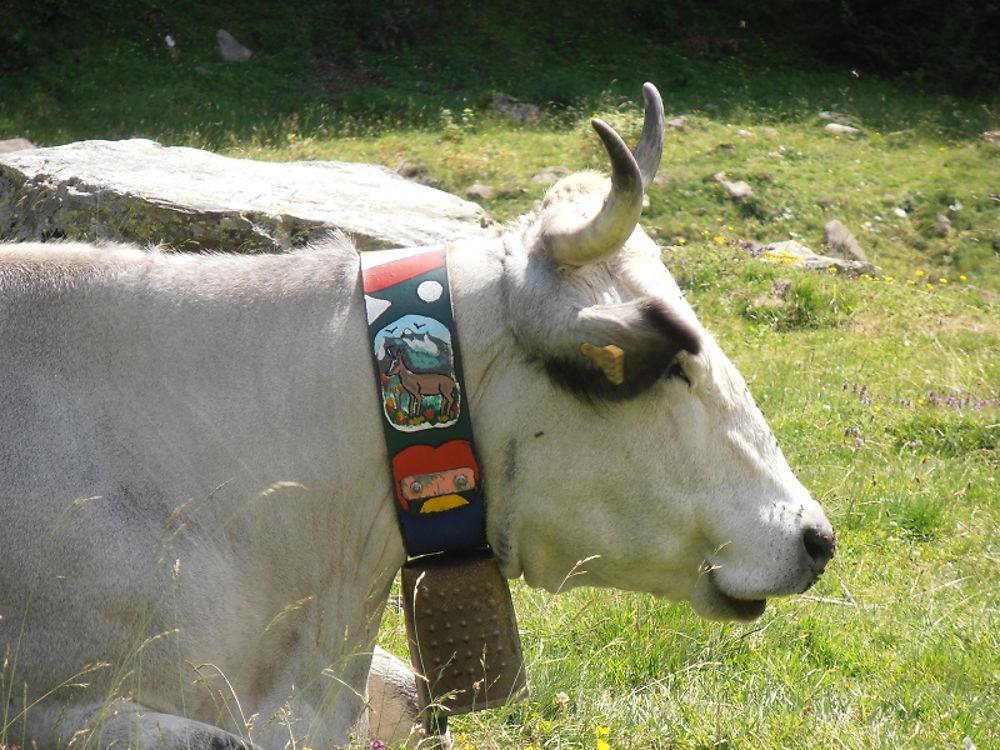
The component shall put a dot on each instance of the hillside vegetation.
(884, 389)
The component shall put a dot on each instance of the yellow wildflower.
(603, 744)
(831, 269)
(942, 280)
(721, 240)
(963, 277)
(602, 731)
(929, 286)
(919, 273)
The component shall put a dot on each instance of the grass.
(884, 391)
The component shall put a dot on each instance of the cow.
(197, 531)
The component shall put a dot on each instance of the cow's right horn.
(650, 148)
(573, 243)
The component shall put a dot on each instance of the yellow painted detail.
(443, 502)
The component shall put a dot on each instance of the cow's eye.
(675, 370)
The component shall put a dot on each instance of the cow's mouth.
(742, 609)
(712, 602)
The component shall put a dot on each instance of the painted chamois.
(421, 384)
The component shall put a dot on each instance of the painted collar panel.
(437, 483)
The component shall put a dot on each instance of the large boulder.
(190, 199)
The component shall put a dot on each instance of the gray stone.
(942, 225)
(835, 128)
(736, 189)
(411, 170)
(549, 175)
(230, 49)
(992, 136)
(678, 123)
(15, 144)
(795, 254)
(480, 191)
(842, 243)
(515, 110)
(140, 191)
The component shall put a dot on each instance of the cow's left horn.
(573, 244)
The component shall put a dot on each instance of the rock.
(515, 110)
(677, 123)
(942, 225)
(992, 136)
(480, 191)
(737, 189)
(792, 253)
(138, 190)
(842, 243)
(15, 144)
(550, 175)
(743, 133)
(835, 128)
(230, 49)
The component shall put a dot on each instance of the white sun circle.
(430, 290)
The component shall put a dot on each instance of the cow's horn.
(650, 148)
(578, 245)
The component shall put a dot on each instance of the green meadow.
(883, 388)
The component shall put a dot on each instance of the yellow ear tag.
(610, 358)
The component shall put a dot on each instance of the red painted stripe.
(389, 274)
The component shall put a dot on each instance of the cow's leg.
(128, 726)
(393, 708)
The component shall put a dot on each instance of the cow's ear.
(618, 351)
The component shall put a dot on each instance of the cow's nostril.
(820, 545)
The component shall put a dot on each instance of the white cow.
(197, 533)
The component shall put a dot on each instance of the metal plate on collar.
(462, 632)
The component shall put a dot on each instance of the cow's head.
(631, 442)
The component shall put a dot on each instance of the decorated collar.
(425, 411)
(461, 629)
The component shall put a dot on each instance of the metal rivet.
(416, 487)
(461, 480)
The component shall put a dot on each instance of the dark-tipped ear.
(623, 349)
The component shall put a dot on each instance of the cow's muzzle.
(820, 544)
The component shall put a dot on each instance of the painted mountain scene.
(419, 390)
